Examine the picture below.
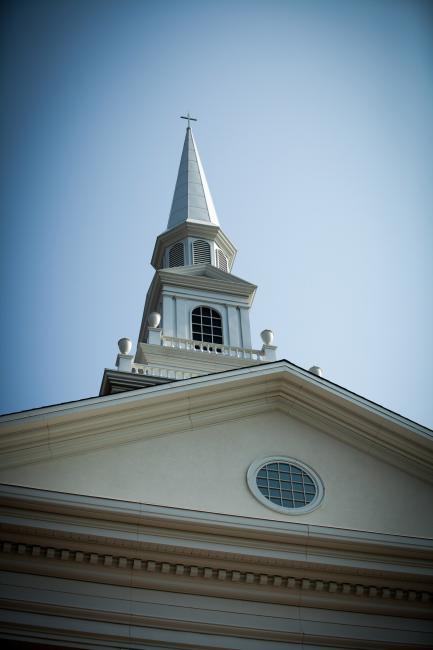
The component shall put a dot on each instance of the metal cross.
(189, 118)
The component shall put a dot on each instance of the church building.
(213, 495)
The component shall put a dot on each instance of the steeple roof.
(192, 200)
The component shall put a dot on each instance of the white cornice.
(204, 276)
(114, 511)
(114, 381)
(105, 421)
(80, 534)
(211, 272)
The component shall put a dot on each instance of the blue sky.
(316, 134)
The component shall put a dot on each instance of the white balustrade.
(193, 346)
(157, 371)
(212, 348)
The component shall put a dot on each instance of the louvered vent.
(222, 261)
(201, 252)
(175, 255)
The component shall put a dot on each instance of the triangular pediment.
(189, 444)
(108, 421)
(206, 271)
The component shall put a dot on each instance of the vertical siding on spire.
(192, 200)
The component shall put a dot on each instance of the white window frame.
(318, 483)
(208, 343)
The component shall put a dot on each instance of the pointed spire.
(192, 200)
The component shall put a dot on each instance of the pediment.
(166, 409)
(173, 444)
(205, 271)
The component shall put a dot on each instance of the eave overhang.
(126, 417)
(115, 381)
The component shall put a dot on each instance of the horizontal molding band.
(210, 573)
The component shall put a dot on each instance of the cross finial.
(189, 118)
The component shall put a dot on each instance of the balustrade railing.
(157, 371)
(212, 348)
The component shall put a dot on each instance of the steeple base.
(183, 358)
(178, 359)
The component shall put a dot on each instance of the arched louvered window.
(222, 262)
(200, 252)
(206, 325)
(175, 255)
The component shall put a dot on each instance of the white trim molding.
(63, 429)
(80, 570)
(258, 464)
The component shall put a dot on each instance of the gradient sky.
(316, 134)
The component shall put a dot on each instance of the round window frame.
(257, 465)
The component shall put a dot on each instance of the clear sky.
(316, 134)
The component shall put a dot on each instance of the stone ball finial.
(125, 345)
(154, 319)
(315, 370)
(267, 337)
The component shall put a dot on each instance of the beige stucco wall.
(205, 469)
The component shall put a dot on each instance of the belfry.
(196, 317)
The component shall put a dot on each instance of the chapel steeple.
(196, 318)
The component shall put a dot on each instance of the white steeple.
(196, 318)
(193, 233)
(192, 200)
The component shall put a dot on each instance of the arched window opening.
(222, 262)
(176, 255)
(201, 252)
(206, 325)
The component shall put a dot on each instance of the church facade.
(213, 496)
